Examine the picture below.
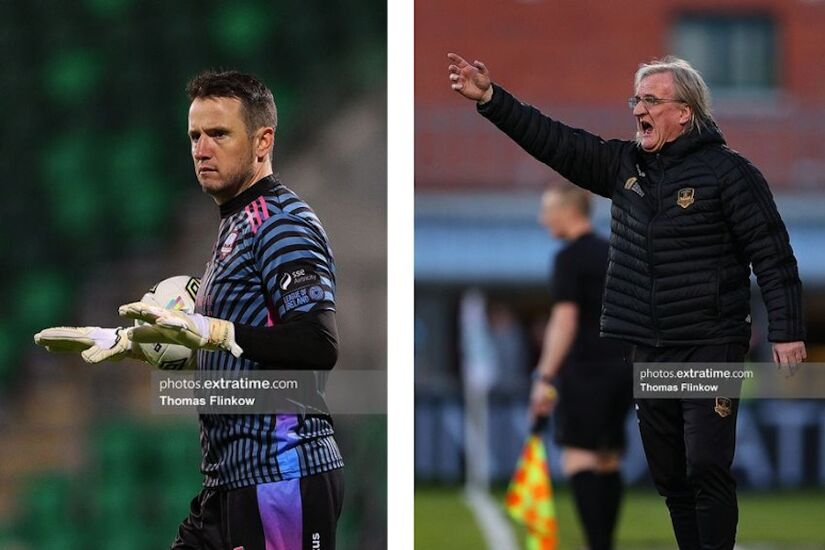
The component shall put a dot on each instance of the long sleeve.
(583, 158)
(307, 342)
(761, 237)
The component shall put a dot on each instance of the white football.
(177, 293)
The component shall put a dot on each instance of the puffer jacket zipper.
(651, 265)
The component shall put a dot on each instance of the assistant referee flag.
(529, 497)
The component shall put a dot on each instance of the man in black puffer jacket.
(689, 218)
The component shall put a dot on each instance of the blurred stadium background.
(482, 261)
(100, 202)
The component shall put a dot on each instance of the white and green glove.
(193, 330)
(95, 344)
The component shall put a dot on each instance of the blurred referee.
(690, 218)
(589, 375)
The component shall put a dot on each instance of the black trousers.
(689, 445)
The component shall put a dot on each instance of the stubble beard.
(230, 187)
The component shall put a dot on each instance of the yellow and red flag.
(529, 499)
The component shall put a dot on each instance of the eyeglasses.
(649, 101)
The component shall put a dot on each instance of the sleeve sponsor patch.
(296, 299)
(299, 287)
(295, 279)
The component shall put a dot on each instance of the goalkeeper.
(266, 301)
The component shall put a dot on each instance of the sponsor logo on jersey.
(685, 197)
(297, 278)
(286, 280)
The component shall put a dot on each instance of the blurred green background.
(100, 202)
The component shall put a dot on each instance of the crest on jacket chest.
(685, 197)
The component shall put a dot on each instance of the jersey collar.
(236, 204)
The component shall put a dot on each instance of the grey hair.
(689, 86)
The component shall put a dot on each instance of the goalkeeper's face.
(225, 159)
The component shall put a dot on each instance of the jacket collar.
(688, 143)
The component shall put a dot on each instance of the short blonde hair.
(573, 195)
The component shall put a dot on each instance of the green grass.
(784, 520)
(783, 517)
(443, 520)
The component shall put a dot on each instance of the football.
(177, 293)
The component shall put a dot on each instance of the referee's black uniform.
(595, 387)
(594, 382)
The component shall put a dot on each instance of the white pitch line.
(489, 518)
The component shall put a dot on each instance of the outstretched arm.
(583, 158)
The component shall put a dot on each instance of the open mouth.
(645, 127)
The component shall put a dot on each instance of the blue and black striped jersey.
(270, 265)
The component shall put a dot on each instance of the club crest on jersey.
(685, 197)
(229, 244)
(723, 406)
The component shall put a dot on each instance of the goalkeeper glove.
(95, 344)
(192, 330)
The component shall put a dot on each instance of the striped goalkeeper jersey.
(270, 264)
